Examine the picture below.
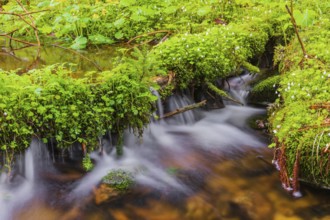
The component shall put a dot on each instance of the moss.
(119, 179)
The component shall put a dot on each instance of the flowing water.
(195, 165)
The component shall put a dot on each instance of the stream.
(195, 165)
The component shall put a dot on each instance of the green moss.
(119, 179)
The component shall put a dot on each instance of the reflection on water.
(25, 58)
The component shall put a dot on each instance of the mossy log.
(184, 109)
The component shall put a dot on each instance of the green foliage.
(267, 85)
(216, 53)
(112, 21)
(87, 163)
(119, 179)
(79, 43)
(49, 103)
(296, 121)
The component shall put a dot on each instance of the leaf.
(306, 18)
(119, 35)
(46, 29)
(127, 3)
(119, 23)
(100, 39)
(79, 43)
(203, 11)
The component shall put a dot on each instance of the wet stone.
(198, 209)
(256, 205)
(104, 193)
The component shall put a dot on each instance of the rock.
(117, 214)
(198, 209)
(104, 193)
(280, 216)
(256, 205)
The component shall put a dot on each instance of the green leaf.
(79, 43)
(100, 39)
(119, 23)
(306, 18)
(204, 11)
(127, 3)
(45, 29)
(119, 35)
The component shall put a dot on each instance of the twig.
(325, 124)
(293, 21)
(32, 23)
(325, 105)
(18, 40)
(20, 16)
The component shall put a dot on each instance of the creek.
(195, 165)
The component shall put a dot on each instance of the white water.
(219, 130)
(17, 191)
(239, 87)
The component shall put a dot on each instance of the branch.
(324, 124)
(20, 16)
(184, 109)
(18, 40)
(293, 21)
(221, 93)
(325, 105)
(32, 23)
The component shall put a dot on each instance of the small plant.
(87, 163)
(119, 179)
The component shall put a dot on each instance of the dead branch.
(32, 23)
(324, 124)
(151, 33)
(184, 109)
(18, 40)
(325, 105)
(20, 16)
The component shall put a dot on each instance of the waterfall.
(239, 88)
(37, 160)
(160, 109)
(218, 130)
(178, 101)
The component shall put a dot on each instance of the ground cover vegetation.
(193, 44)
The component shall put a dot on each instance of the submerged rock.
(104, 193)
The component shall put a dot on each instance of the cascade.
(218, 130)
